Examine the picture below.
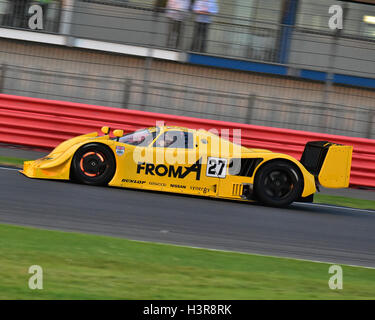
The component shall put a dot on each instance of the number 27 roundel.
(216, 167)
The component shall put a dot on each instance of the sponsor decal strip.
(133, 181)
(162, 170)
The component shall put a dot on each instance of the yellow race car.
(195, 162)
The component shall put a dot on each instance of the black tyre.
(93, 164)
(278, 183)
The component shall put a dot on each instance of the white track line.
(12, 169)
(253, 254)
(334, 207)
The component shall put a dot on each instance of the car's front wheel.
(278, 183)
(93, 164)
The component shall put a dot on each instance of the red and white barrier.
(45, 123)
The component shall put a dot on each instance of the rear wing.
(330, 163)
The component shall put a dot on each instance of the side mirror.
(118, 134)
(106, 130)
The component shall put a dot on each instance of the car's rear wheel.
(278, 183)
(93, 164)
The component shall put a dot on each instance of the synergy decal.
(162, 170)
(120, 150)
(204, 189)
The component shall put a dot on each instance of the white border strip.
(61, 40)
(165, 55)
(33, 36)
(111, 47)
(126, 49)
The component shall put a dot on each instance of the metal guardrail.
(177, 99)
(236, 36)
(146, 84)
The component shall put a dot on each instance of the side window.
(175, 139)
(141, 138)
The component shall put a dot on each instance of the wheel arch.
(285, 160)
(94, 143)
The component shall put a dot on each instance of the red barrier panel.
(46, 123)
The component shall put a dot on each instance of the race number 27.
(216, 167)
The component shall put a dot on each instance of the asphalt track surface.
(304, 231)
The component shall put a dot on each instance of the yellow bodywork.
(56, 165)
(335, 172)
(185, 170)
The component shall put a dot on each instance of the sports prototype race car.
(195, 162)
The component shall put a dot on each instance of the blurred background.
(264, 62)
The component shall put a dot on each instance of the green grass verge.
(344, 201)
(80, 266)
(15, 162)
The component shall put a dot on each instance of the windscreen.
(140, 138)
